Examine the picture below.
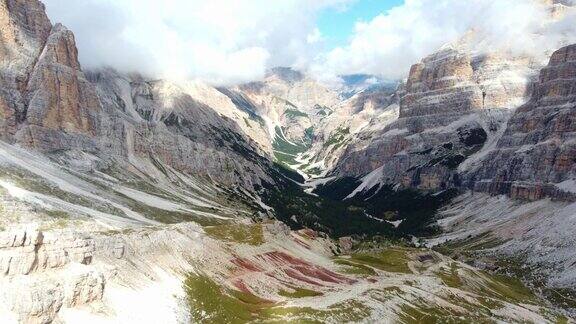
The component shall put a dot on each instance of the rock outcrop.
(27, 250)
(536, 154)
(42, 272)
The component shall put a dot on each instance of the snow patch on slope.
(568, 186)
(369, 181)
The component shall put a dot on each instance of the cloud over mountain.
(392, 41)
(220, 41)
(225, 42)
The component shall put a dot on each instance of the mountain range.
(446, 197)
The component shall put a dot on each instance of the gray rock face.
(451, 105)
(47, 104)
(158, 121)
(538, 149)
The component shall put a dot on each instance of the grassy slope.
(286, 151)
(460, 295)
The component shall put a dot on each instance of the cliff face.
(536, 155)
(451, 105)
(440, 84)
(62, 107)
(456, 128)
(47, 103)
(25, 28)
(453, 111)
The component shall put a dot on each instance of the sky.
(226, 42)
(337, 24)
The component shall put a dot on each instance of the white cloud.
(391, 42)
(221, 41)
(230, 41)
(314, 37)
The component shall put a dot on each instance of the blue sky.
(337, 25)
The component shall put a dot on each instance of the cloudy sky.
(231, 41)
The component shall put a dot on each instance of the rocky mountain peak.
(43, 87)
(286, 74)
(441, 83)
(58, 98)
(558, 78)
(22, 20)
(441, 70)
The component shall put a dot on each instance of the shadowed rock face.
(538, 148)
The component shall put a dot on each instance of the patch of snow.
(568, 185)
(369, 181)
(311, 185)
(395, 223)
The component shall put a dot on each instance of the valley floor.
(100, 248)
(244, 272)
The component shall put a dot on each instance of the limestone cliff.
(536, 155)
(47, 104)
(451, 105)
(62, 107)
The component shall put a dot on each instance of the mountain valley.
(447, 197)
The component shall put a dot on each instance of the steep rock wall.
(451, 105)
(536, 155)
